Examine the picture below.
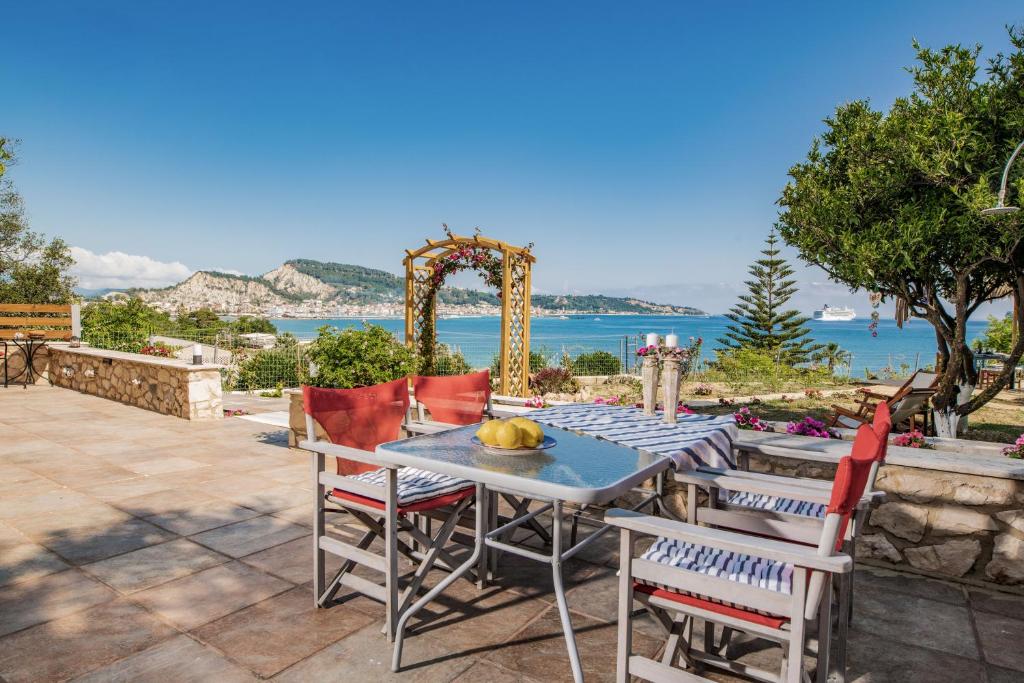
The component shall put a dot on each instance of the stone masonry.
(164, 385)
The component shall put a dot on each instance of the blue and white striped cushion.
(761, 501)
(414, 484)
(749, 570)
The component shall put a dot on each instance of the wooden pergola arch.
(515, 301)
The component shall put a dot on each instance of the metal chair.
(767, 587)
(383, 499)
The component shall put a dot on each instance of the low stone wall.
(959, 520)
(163, 385)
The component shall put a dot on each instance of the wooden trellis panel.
(515, 302)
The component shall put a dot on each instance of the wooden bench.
(57, 322)
(37, 323)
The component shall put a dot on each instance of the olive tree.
(890, 203)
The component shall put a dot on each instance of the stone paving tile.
(270, 499)
(915, 621)
(51, 597)
(538, 650)
(276, 633)
(78, 643)
(230, 484)
(202, 517)
(999, 603)
(63, 519)
(300, 514)
(179, 659)
(251, 536)
(165, 465)
(77, 473)
(1002, 639)
(42, 504)
(152, 566)
(195, 600)
(24, 561)
(869, 578)
(162, 502)
(366, 656)
(91, 544)
(999, 675)
(130, 488)
(292, 561)
(876, 658)
(288, 474)
(492, 673)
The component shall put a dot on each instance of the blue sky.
(641, 146)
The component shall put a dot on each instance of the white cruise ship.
(831, 314)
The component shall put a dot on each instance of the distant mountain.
(306, 286)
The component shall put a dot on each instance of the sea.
(477, 338)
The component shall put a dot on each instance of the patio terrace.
(137, 547)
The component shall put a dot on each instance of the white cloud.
(116, 269)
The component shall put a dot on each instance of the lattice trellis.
(515, 302)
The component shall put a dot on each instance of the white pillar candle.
(652, 339)
(672, 341)
(197, 350)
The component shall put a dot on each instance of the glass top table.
(578, 468)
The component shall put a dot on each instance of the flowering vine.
(466, 257)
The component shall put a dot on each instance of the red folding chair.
(450, 400)
(381, 498)
(763, 586)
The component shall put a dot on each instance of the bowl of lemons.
(513, 435)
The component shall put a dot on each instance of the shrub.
(449, 362)
(748, 420)
(814, 393)
(268, 368)
(741, 367)
(914, 439)
(1016, 450)
(596, 363)
(703, 389)
(811, 427)
(248, 324)
(357, 358)
(159, 349)
(553, 380)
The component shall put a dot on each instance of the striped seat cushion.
(749, 570)
(761, 501)
(415, 485)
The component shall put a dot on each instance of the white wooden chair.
(766, 587)
(383, 499)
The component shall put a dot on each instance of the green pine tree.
(759, 321)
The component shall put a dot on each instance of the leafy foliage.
(248, 324)
(553, 380)
(120, 325)
(357, 358)
(891, 202)
(760, 321)
(448, 361)
(832, 356)
(998, 336)
(269, 368)
(32, 270)
(596, 363)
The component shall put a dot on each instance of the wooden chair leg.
(625, 616)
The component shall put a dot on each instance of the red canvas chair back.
(852, 477)
(458, 399)
(882, 425)
(359, 418)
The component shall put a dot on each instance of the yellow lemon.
(533, 434)
(487, 431)
(508, 435)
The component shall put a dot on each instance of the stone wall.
(951, 524)
(167, 386)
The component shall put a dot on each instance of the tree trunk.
(948, 422)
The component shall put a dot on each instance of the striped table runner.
(693, 441)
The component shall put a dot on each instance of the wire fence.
(255, 362)
(268, 362)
